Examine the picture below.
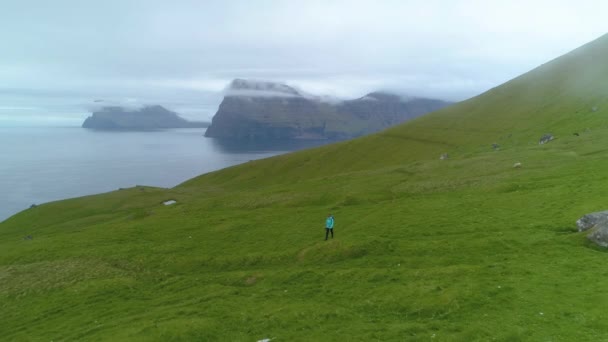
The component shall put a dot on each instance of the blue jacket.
(329, 222)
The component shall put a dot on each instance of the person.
(329, 226)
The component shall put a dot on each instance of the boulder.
(517, 165)
(545, 139)
(599, 234)
(591, 220)
(444, 156)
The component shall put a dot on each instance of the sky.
(58, 57)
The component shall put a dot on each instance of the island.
(261, 110)
(145, 118)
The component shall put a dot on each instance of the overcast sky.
(58, 56)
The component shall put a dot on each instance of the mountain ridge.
(144, 118)
(261, 110)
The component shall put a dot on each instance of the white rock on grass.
(545, 139)
(169, 202)
(591, 220)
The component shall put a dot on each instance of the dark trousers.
(327, 230)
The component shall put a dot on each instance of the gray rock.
(594, 109)
(545, 139)
(599, 234)
(495, 146)
(591, 220)
(444, 156)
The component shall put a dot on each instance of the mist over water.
(41, 164)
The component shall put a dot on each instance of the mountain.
(257, 110)
(148, 117)
(468, 248)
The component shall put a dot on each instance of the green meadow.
(464, 249)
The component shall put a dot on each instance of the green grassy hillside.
(464, 249)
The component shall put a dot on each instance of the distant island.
(145, 118)
(259, 110)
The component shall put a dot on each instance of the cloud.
(59, 56)
(128, 104)
(260, 88)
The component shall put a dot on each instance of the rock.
(590, 220)
(545, 139)
(169, 202)
(594, 109)
(29, 237)
(517, 165)
(444, 156)
(267, 111)
(33, 206)
(599, 234)
(495, 146)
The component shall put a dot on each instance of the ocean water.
(40, 164)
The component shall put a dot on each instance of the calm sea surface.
(39, 165)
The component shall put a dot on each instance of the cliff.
(149, 117)
(265, 110)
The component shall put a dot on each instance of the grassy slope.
(459, 250)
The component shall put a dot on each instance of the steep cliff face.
(242, 117)
(381, 110)
(265, 111)
(149, 117)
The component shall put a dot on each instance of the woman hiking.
(329, 226)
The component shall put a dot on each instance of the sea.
(44, 164)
